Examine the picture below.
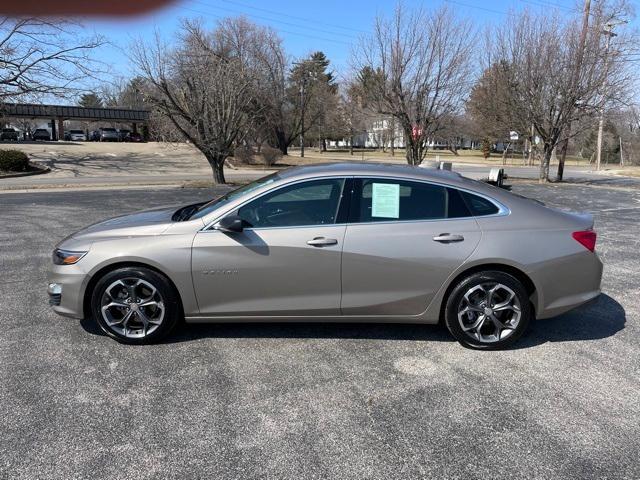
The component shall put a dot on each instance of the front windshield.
(209, 207)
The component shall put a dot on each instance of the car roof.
(371, 168)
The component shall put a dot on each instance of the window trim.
(346, 183)
(502, 209)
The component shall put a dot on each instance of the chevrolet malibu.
(334, 242)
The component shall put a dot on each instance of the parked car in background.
(75, 136)
(9, 134)
(41, 134)
(135, 137)
(347, 242)
(108, 134)
(123, 134)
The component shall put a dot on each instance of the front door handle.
(322, 242)
(448, 238)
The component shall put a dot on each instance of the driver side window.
(315, 202)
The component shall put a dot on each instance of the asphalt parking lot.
(314, 401)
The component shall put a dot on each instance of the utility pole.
(621, 157)
(302, 117)
(609, 33)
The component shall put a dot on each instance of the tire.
(135, 305)
(488, 310)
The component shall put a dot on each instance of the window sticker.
(385, 200)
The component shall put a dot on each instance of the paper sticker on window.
(385, 200)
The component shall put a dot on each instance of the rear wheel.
(488, 310)
(135, 305)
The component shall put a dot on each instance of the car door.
(285, 262)
(403, 240)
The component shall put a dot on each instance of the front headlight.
(66, 257)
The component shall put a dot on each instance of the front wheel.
(488, 310)
(135, 305)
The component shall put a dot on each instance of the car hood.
(147, 222)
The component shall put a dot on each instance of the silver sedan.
(338, 242)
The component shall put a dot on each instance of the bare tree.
(202, 88)
(559, 73)
(42, 57)
(261, 52)
(424, 60)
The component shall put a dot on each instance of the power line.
(332, 25)
(283, 22)
(213, 15)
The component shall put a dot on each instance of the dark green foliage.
(14, 161)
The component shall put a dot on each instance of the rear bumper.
(567, 283)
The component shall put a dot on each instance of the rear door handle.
(322, 242)
(448, 238)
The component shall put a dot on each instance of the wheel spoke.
(124, 321)
(489, 297)
(477, 325)
(149, 297)
(149, 303)
(507, 302)
(115, 303)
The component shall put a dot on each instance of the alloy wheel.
(489, 312)
(132, 307)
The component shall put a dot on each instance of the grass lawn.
(312, 155)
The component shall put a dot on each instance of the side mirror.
(229, 224)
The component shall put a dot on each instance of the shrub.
(243, 154)
(270, 155)
(14, 161)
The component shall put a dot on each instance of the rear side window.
(384, 200)
(479, 206)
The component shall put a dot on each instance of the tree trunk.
(545, 162)
(324, 144)
(217, 166)
(563, 156)
(393, 137)
(412, 147)
(281, 142)
(505, 153)
(351, 145)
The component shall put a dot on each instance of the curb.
(39, 170)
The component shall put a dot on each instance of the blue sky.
(305, 26)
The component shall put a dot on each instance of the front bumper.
(66, 287)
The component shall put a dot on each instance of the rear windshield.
(108, 129)
(76, 131)
(8, 130)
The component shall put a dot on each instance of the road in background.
(579, 174)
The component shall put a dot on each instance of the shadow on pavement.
(599, 319)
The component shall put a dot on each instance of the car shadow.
(600, 318)
(596, 320)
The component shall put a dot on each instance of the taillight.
(587, 238)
